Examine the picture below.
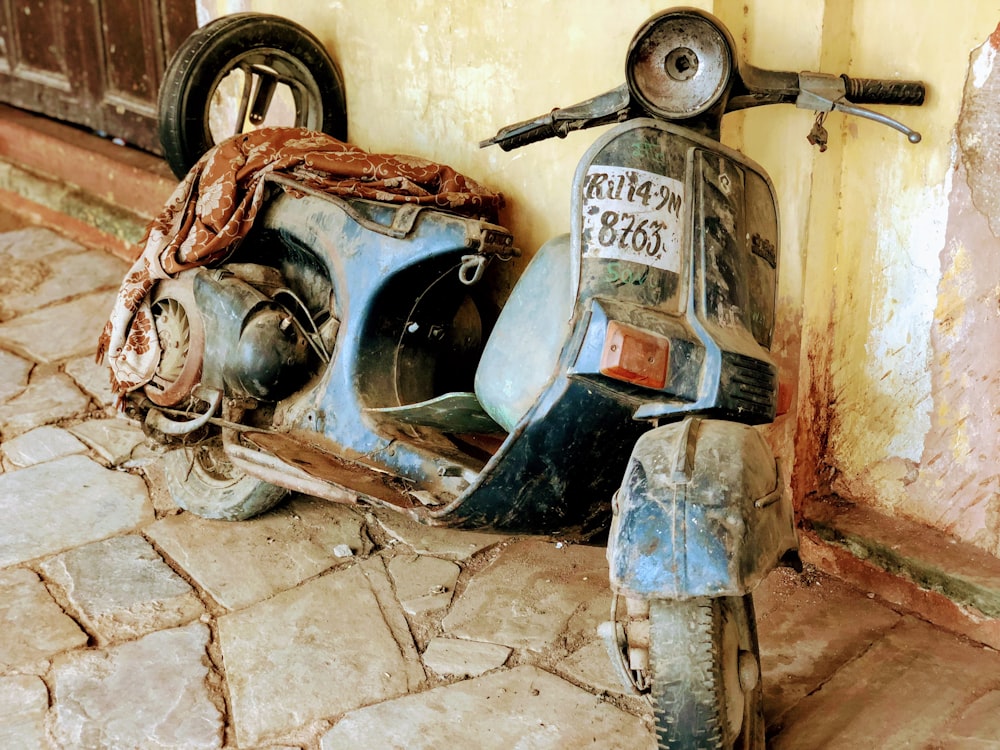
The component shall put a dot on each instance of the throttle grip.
(884, 91)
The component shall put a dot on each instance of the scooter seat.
(456, 412)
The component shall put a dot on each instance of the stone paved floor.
(126, 623)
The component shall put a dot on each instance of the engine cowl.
(253, 346)
(270, 359)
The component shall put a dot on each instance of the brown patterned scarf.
(215, 206)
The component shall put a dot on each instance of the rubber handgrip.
(523, 138)
(884, 91)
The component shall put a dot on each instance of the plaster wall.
(888, 283)
(911, 341)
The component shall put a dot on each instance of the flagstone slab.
(122, 589)
(149, 693)
(30, 243)
(534, 595)
(455, 657)
(14, 372)
(450, 544)
(154, 472)
(978, 726)
(807, 631)
(47, 399)
(58, 332)
(423, 583)
(40, 445)
(520, 708)
(312, 652)
(65, 503)
(239, 563)
(114, 440)
(24, 701)
(93, 378)
(32, 283)
(902, 692)
(378, 578)
(32, 625)
(591, 665)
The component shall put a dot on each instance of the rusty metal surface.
(680, 64)
(270, 469)
(301, 452)
(179, 327)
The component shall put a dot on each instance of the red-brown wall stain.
(995, 38)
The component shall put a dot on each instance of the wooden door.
(96, 63)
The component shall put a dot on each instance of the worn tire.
(696, 650)
(200, 480)
(214, 51)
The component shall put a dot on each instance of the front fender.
(701, 512)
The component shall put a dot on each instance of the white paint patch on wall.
(982, 64)
(912, 221)
(206, 10)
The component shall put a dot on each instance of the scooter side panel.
(360, 263)
(558, 470)
(522, 354)
(558, 467)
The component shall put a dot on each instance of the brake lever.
(822, 92)
(853, 109)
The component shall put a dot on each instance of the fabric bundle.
(215, 205)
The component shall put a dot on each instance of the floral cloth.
(216, 203)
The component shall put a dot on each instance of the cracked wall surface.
(910, 339)
(959, 476)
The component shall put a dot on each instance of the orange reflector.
(634, 355)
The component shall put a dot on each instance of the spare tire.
(247, 57)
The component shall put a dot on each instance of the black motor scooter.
(345, 352)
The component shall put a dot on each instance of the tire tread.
(687, 682)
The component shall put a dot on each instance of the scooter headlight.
(680, 63)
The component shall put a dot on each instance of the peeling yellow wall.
(864, 225)
(887, 277)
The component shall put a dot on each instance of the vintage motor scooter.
(344, 352)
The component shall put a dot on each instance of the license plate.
(633, 215)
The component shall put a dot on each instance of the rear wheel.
(705, 664)
(202, 480)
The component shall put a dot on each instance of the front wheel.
(705, 664)
(201, 480)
